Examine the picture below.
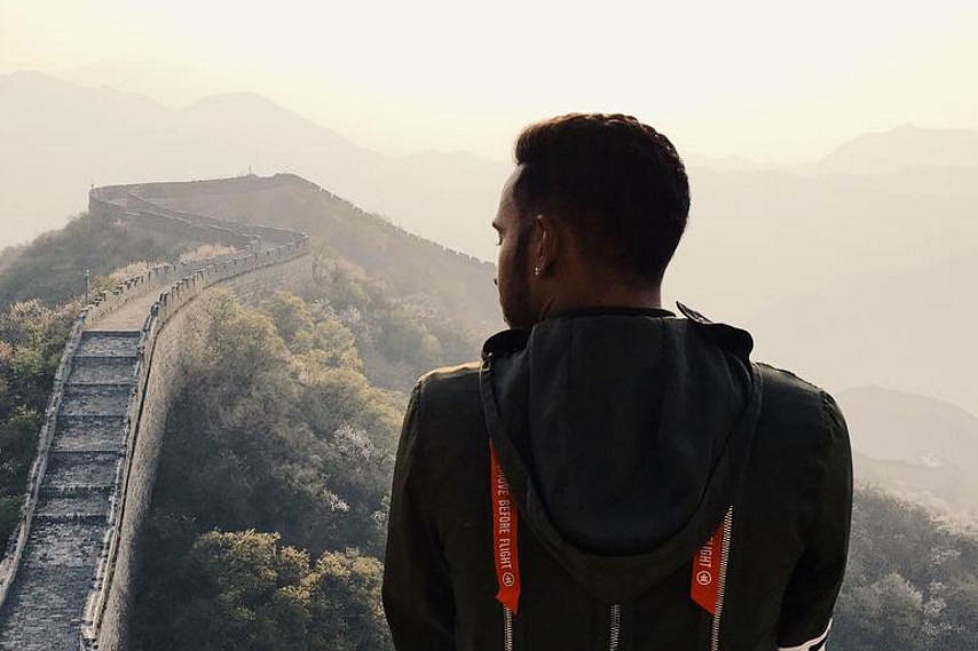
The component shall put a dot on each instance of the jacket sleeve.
(417, 591)
(808, 603)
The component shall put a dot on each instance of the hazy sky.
(771, 80)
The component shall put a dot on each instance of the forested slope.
(911, 581)
(52, 267)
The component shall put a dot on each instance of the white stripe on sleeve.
(811, 644)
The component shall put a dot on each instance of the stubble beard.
(519, 312)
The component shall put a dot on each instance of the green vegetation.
(275, 429)
(10, 253)
(278, 450)
(52, 267)
(249, 592)
(398, 339)
(911, 581)
(32, 338)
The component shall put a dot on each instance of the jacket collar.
(513, 339)
(593, 310)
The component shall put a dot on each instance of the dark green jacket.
(640, 448)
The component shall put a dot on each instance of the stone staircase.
(44, 607)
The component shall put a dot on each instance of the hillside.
(910, 583)
(52, 266)
(419, 270)
(9, 254)
(917, 447)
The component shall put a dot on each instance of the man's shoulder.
(449, 409)
(450, 377)
(450, 387)
(782, 381)
(795, 407)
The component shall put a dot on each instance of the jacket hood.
(623, 433)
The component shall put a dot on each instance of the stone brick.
(103, 370)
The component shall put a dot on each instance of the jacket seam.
(421, 479)
(829, 434)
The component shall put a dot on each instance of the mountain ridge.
(819, 268)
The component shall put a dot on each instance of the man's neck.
(607, 299)
(593, 310)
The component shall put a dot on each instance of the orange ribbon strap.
(505, 521)
(705, 582)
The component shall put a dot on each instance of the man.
(611, 475)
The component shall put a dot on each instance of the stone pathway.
(45, 605)
(130, 316)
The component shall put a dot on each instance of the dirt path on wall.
(130, 316)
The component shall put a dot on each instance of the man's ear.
(547, 243)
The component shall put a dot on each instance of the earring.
(536, 270)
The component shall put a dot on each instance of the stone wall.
(118, 202)
(107, 628)
(129, 202)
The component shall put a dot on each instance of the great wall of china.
(66, 577)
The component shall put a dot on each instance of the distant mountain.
(901, 148)
(60, 138)
(166, 81)
(901, 426)
(725, 163)
(913, 445)
(905, 148)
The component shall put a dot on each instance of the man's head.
(591, 215)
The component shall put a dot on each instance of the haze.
(822, 221)
(763, 79)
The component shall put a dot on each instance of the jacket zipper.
(507, 629)
(613, 637)
(615, 627)
(721, 586)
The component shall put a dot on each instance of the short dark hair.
(617, 183)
